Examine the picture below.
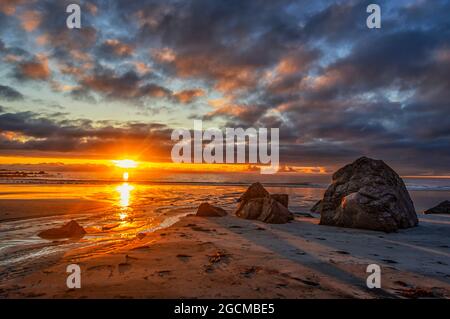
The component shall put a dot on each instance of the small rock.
(70, 230)
(207, 210)
(442, 208)
(140, 235)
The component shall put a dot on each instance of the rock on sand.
(207, 210)
(70, 230)
(442, 208)
(257, 203)
(368, 194)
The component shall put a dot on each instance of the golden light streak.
(125, 163)
(124, 191)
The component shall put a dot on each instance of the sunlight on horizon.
(125, 163)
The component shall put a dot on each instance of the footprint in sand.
(389, 261)
(342, 252)
(124, 267)
(108, 268)
(184, 257)
(250, 271)
(163, 273)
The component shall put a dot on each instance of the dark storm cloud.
(337, 22)
(128, 86)
(34, 132)
(10, 94)
(224, 42)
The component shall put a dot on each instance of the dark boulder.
(442, 208)
(255, 190)
(70, 230)
(283, 199)
(207, 210)
(368, 194)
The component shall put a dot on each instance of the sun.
(125, 163)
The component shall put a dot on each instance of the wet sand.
(18, 209)
(229, 257)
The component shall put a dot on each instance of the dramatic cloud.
(8, 7)
(36, 69)
(115, 48)
(187, 96)
(28, 131)
(10, 94)
(30, 20)
(335, 88)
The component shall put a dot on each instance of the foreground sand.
(233, 258)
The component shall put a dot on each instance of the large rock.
(257, 203)
(207, 210)
(368, 194)
(442, 208)
(70, 230)
(256, 190)
(283, 199)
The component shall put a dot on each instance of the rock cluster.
(257, 203)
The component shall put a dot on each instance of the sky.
(136, 70)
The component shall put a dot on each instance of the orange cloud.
(119, 48)
(92, 8)
(37, 69)
(227, 77)
(42, 40)
(8, 7)
(70, 70)
(141, 67)
(30, 20)
(288, 65)
(165, 55)
(11, 58)
(229, 110)
(188, 96)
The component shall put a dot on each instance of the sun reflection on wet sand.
(124, 194)
(124, 200)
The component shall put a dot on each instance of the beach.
(143, 241)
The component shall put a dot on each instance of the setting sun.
(125, 163)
